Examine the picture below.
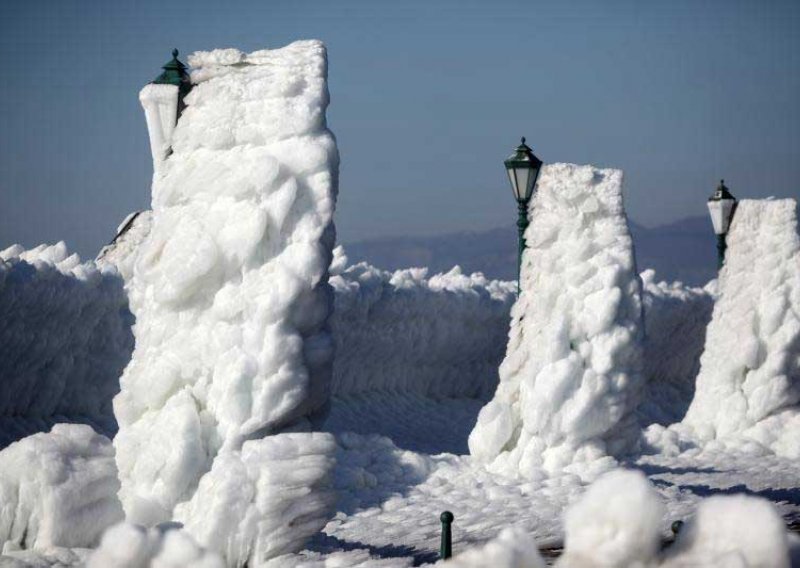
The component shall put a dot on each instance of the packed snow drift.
(573, 370)
(230, 291)
(65, 338)
(749, 381)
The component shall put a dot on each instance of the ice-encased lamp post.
(523, 169)
(174, 73)
(721, 207)
(163, 103)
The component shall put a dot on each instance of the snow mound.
(572, 374)
(231, 296)
(676, 317)
(58, 489)
(64, 340)
(732, 530)
(512, 548)
(131, 546)
(749, 381)
(438, 336)
(616, 522)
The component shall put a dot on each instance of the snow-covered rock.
(407, 332)
(748, 386)
(573, 372)
(58, 489)
(65, 338)
(231, 296)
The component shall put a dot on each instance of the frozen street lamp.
(721, 207)
(163, 104)
(523, 168)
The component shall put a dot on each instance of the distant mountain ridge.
(683, 250)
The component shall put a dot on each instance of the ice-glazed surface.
(749, 381)
(231, 297)
(65, 338)
(407, 332)
(121, 251)
(676, 317)
(58, 489)
(572, 374)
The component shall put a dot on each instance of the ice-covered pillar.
(572, 372)
(749, 380)
(230, 291)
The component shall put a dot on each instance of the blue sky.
(427, 99)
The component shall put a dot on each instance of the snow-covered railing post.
(446, 547)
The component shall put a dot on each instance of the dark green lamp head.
(523, 169)
(174, 72)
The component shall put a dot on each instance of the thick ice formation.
(749, 380)
(58, 489)
(405, 332)
(572, 373)
(121, 252)
(676, 317)
(266, 500)
(231, 300)
(64, 340)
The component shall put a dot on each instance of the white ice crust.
(231, 300)
(121, 252)
(676, 318)
(160, 104)
(748, 386)
(64, 339)
(573, 372)
(406, 332)
(58, 489)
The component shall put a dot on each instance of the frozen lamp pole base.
(721, 207)
(722, 245)
(523, 169)
(522, 225)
